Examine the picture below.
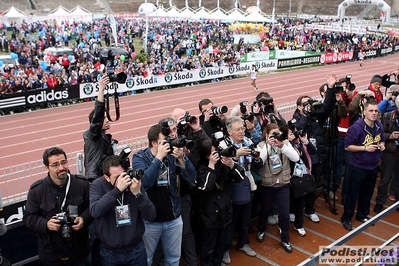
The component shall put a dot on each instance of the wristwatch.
(138, 195)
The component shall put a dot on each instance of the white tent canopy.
(236, 15)
(13, 15)
(256, 17)
(80, 13)
(218, 14)
(186, 13)
(173, 12)
(60, 14)
(202, 12)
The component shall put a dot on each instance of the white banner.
(286, 54)
(87, 90)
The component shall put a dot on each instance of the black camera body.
(292, 127)
(395, 93)
(316, 107)
(229, 151)
(265, 105)
(66, 220)
(338, 88)
(125, 163)
(179, 142)
(279, 136)
(117, 77)
(254, 152)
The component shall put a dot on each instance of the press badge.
(122, 215)
(275, 162)
(298, 170)
(163, 179)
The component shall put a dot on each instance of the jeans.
(135, 256)
(171, 235)
(361, 187)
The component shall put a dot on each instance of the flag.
(170, 3)
(113, 28)
(199, 3)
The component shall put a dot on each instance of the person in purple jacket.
(365, 140)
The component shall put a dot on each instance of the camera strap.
(116, 100)
(66, 192)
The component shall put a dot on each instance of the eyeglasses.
(239, 129)
(57, 164)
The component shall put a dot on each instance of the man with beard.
(49, 211)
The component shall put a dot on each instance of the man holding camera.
(310, 117)
(165, 166)
(119, 207)
(388, 104)
(98, 144)
(57, 209)
(212, 118)
(267, 112)
(365, 140)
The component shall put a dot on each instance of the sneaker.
(391, 197)
(292, 217)
(313, 217)
(300, 231)
(287, 247)
(248, 250)
(59, 104)
(272, 219)
(226, 258)
(332, 196)
(260, 237)
(279, 230)
(362, 220)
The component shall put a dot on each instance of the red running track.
(25, 136)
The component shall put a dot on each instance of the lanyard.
(117, 108)
(123, 196)
(66, 192)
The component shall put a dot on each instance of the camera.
(350, 86)
(254, 152)
(338, 88)
(292, 127)
(265, 105)
(265, 101)
(219, 110)
(66, 219)
(316, 107)
(120, 77)
(229, 151)
(187, 118)
(125, 163)
(278, 135)
(395, 93)
(244, 110)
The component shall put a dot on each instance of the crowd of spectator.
(172, 46)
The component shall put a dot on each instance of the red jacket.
(52, 82)
(377, 94)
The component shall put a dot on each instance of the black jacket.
(214, 193)
(98, 145)
(313, 126)
(43, 202)
(103, 200)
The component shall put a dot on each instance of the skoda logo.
(130, 83)
(257, 65)
(88, 89)
(168, 78)
(344, 4)
(231, 70)
(202, 73)
(380, 5)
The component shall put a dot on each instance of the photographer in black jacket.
(212, 119)
(98, 144)
(310, 117)
(62, 230)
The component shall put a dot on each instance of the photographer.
(310, 117)
(388, 104)
(252, 127)
(98, 144)
(120, 209)
(57, 209)
(389, 159)
(266, 112)
(241, 194)
(215, 176)
(164, 166)
(274, 168)
(212, 118)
